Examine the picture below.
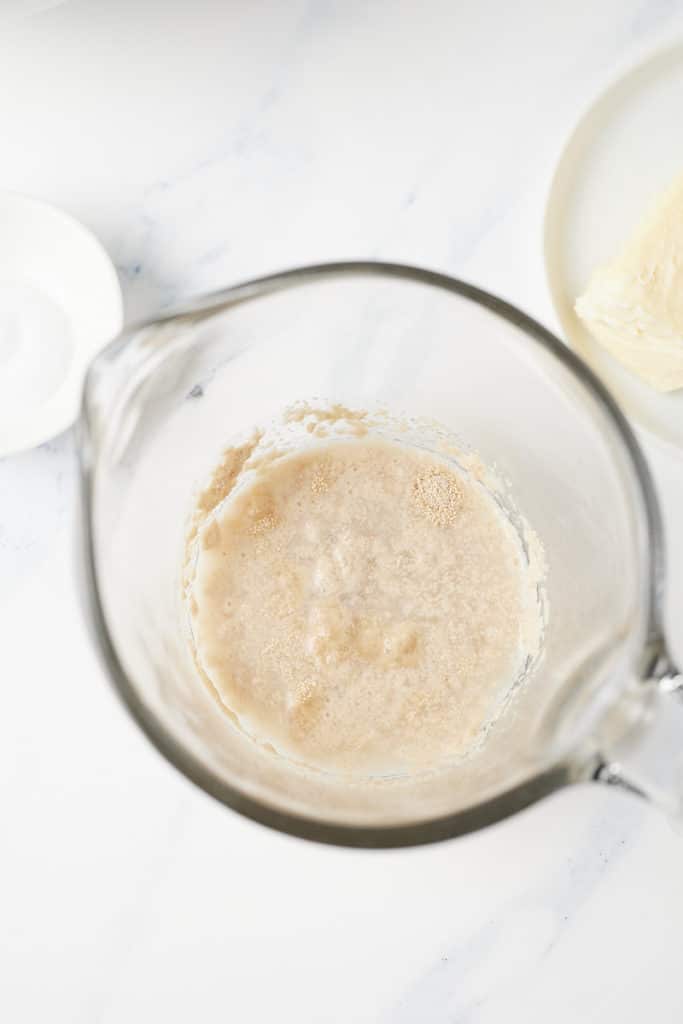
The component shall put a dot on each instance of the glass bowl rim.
(428, 830)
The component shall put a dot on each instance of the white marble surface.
(205, 142)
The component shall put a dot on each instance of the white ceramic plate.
(625, 149)
(60, 302)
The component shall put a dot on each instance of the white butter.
(633, 306)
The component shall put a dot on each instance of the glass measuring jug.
(163, 400)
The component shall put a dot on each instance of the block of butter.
(633, 306)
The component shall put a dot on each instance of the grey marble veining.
(206, 143)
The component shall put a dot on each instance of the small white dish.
(623, 152)
(60, 302)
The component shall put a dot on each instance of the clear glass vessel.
(164, 399)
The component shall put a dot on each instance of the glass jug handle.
(648, 760)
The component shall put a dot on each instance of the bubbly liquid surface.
(362, 606)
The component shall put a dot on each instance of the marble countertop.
(206, 142)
